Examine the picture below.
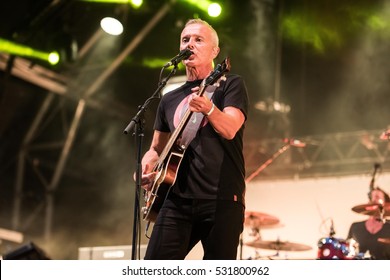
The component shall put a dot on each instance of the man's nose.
(190, 44)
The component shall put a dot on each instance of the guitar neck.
(178, 130)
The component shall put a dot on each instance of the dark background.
(327, 60)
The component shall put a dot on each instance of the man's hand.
(147, 177)
(147, 180)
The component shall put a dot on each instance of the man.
(206, 202)
(369, 233)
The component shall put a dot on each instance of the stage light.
(134, 3)
(25, 51)
(53, 58)
(111, 26)
(212, 8)
(300, 29)
(324, 30)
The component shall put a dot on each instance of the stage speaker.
(29, 251)
(109, 252)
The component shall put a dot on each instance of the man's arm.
(226, 122)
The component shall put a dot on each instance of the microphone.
(183, 54)
(294, 142)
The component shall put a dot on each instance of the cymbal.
(259, 220)
(384, 240)
(372, 209)
(278, 245)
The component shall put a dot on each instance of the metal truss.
(49, 170)
(334, 154)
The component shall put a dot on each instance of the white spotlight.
(111, 26)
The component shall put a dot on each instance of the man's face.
(377, 196)
(198, 38)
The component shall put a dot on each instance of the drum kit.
(255, 221)
(335, 248)
(329, 248)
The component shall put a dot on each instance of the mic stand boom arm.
(156, 95)
(267, 162)
(137, 125)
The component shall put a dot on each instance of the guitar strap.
(195, 121)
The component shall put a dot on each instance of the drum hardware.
(331, 230)
(263, 257)
(377, 166)
(259, 220)
(255, 221)
(278, 245)
(331, 248)
(377, 207)
(373, 209)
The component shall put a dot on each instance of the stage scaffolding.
(336, 154)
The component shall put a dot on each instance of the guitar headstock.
(218, 72)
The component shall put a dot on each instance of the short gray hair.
(205, 23)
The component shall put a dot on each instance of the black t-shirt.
(369, 241)
(212, 167)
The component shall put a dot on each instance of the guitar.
(170, 158)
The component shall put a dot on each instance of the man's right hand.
(147, 180)
(147, 177)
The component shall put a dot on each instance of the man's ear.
(216, 51)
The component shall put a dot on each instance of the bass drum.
(331, 248)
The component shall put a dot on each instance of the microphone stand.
(372, 182)
(137, 125)
(268, 162)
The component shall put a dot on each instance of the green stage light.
(21, 50)
(300, 29)
(212, 8)
(53, 58)
(134, 3)
(323, 30)
(378, 23)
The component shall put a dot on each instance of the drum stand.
(258, 256)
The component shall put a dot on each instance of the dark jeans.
(181, 223)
